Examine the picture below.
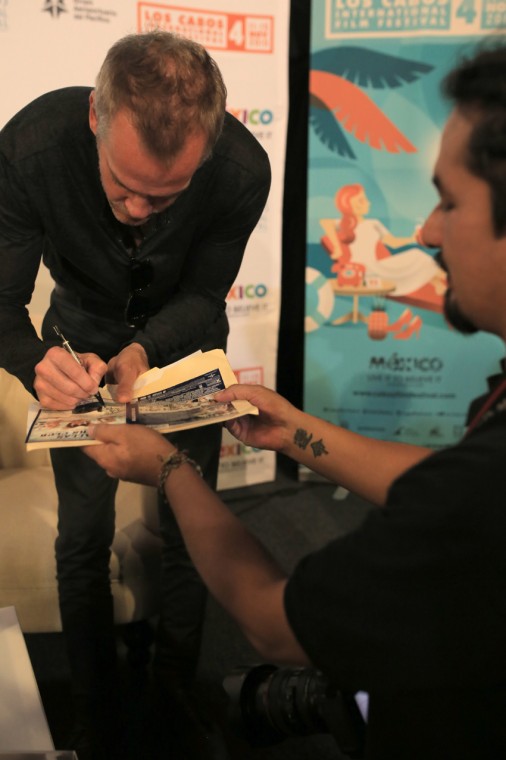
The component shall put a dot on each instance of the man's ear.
(93, 114)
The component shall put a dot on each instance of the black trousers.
(86, 519)
(85, 532)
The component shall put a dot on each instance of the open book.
(177, 397)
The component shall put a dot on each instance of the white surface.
(23, 724)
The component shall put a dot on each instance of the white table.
(23, 723)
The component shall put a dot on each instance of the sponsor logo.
(54, 7)
(250, 375)
(81, 10)
(238, 292)
(396, 363)
(238, 32)
(248, 300)
(252, 116)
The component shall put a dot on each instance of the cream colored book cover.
(176, 397)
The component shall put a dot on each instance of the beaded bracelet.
(173, 461)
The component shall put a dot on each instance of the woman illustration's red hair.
(348, 221)
(346, 227)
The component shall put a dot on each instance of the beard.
(455, 316)
(452, 310)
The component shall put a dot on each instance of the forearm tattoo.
(303, 439)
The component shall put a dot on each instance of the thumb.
(103, 433)
(236, 427)
(124, 390)
(233, 392)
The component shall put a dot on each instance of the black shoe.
(98, 731)
(190, 731)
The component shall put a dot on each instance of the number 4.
(236, 34)
(466, 10)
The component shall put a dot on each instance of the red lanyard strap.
(496, 393)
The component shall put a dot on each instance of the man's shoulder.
(238, 145)
(45, 121)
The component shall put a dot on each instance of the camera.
(268, 704)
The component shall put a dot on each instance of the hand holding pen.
(66, 345)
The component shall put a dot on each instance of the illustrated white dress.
(409, 270)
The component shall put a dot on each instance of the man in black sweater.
(140, 196)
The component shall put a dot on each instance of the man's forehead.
(454, 142)
(137, 179)
(138, 170)
(150, 177)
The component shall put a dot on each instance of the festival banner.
(47, 44)
(380, 358)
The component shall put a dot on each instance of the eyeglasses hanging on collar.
(138, 305)
(140, 275)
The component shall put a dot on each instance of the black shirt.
(52, 205)
(411, 607)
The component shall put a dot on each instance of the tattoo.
(303, 439)
(319, 448)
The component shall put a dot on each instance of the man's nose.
(429, 233)
(138, 207)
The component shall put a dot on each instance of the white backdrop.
(46, 44)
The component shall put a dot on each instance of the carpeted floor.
(291, 518)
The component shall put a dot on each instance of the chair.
(28, 528)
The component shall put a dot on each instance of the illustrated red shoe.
(412, 328)
(405, 317)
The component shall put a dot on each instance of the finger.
(100, 455)
(235, 427)
(51, 396)
(66, 374)
(125, 377)
(105, 433)
(124, 391)
(235, 392)
(94, 365)
(225, 395)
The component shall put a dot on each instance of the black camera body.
(268, 704)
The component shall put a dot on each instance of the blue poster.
(380, 357)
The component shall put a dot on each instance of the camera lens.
(267, 704)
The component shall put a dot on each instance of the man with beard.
(411, 606)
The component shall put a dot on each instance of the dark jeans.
(86, 519)
(85, 534)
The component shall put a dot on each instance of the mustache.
(439, 259)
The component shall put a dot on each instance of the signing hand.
(125, 368)
(61, 383)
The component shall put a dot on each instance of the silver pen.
(66, 345)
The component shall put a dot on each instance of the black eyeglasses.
(138, 306)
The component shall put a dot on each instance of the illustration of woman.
(363, 241)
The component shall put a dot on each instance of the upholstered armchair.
(28, 519)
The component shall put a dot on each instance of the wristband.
(173, 461)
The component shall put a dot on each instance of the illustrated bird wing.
(368, 68)
(328, 129)
(354, 110)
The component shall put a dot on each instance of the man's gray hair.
(170, 85)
